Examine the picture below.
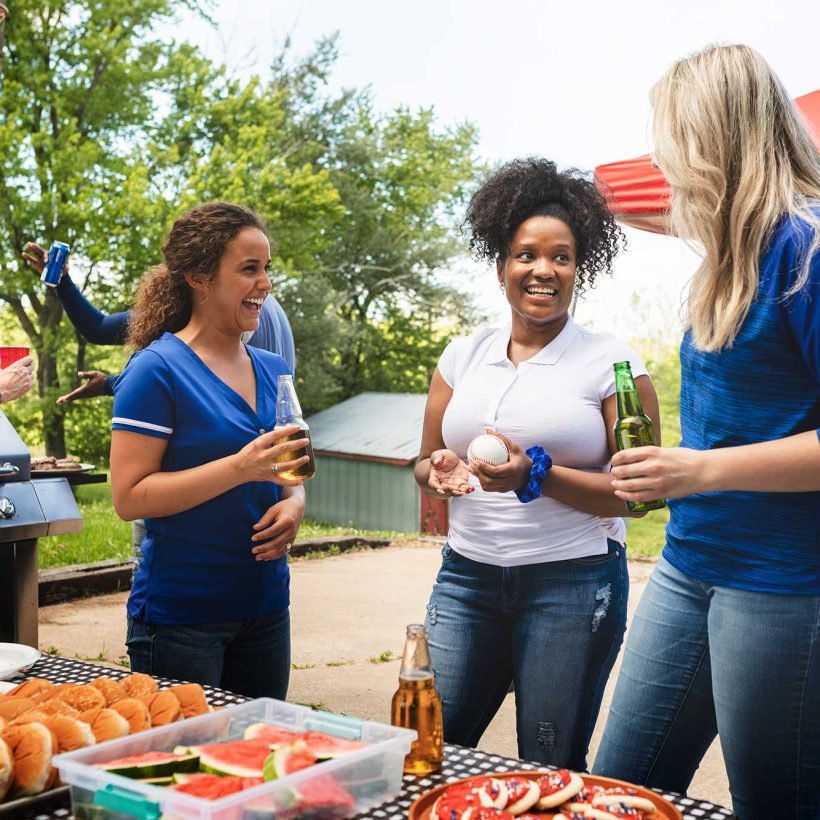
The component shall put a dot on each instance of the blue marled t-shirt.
(765, 387)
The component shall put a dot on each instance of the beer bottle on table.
(288, 412)
(633, 428)
(416, 705)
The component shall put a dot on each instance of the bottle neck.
(288, 409)
(627, 395)
(415, 662)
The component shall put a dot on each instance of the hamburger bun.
(50, 707)
(135, 712)
(111, 689)
(3, 724)
(13, 707)
(32, 746)
(6, 769)
(82, 697)
(164, 707)
(106, 724)
(71, 733)
(191, 698)
(48, 694)
(30, 688)
(139, 685)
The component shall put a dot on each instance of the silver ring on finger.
(288, 545)
(275, 467)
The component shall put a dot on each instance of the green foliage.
(646, 536)
(664, 368)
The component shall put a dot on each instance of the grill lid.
(15, 459)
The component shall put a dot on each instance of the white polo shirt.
(554, 400)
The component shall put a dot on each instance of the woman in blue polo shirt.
(727, 636)
(194, 453)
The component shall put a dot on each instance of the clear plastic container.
(370, 775)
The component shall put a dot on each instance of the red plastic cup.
(9, 355)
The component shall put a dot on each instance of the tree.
(80, 88)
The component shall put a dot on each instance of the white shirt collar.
(549, 354)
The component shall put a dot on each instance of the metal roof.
(375, 425)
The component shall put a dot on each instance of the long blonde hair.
(738, 158)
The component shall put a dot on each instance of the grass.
(104, 536)
(645, 536)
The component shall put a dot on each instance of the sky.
(569, 81)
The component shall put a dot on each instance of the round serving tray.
(420, 810)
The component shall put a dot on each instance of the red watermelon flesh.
(213, 786)
(241, 758)
(324, 746)
(323, 797)
(284, 760)
(272, 735)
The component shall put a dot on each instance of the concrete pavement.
(349, 614)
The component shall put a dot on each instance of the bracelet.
(541, 465)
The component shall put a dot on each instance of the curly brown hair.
(535, 187)
(195, 244)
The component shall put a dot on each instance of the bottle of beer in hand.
(288, 412)
(416, 705)
(632, 427)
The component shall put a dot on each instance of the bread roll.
(51, 707)
(71, 733)
(30, 688)
(106, 723)
(48, 694)
(11, 708)
(6, 769)
(112, 689)
(139, 685)
(82, 697)
(164, 707)
(135, 712)
(191, 698)
(32, 746)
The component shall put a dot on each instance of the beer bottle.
(288, 411)
(416, 705)
(632, 427)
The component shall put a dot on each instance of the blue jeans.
(250, 657)
(702, 660)
(554, 629)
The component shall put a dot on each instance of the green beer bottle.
(632, 427)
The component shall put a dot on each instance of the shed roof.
(371, 425)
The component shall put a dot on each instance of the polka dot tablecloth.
(458, 761)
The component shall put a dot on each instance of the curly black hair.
(534, 187)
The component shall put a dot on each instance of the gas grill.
(29, 509)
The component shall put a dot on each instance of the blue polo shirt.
(765, 387)
(197, 565)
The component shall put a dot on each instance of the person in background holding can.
(194, 452)
(726, 639)
(533, 582)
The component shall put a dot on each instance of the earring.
(501, 286)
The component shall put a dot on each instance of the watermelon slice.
(152, 764)
(214, 786)
(284, 760)
(272, 735)
(239, 758)
(326, 746)
(323, 797)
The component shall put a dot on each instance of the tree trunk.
(48, 376)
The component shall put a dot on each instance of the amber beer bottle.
(633, 428)
(416, 705)
(288, 412)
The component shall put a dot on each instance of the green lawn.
(105, 537)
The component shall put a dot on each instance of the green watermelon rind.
(276, 763)
(185, 762)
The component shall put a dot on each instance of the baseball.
(488, 449)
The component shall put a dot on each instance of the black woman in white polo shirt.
(533, 583)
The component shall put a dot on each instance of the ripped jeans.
(554, 629)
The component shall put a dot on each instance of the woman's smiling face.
(538, 275)
(233, 298)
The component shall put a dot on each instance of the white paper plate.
(16, 658)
